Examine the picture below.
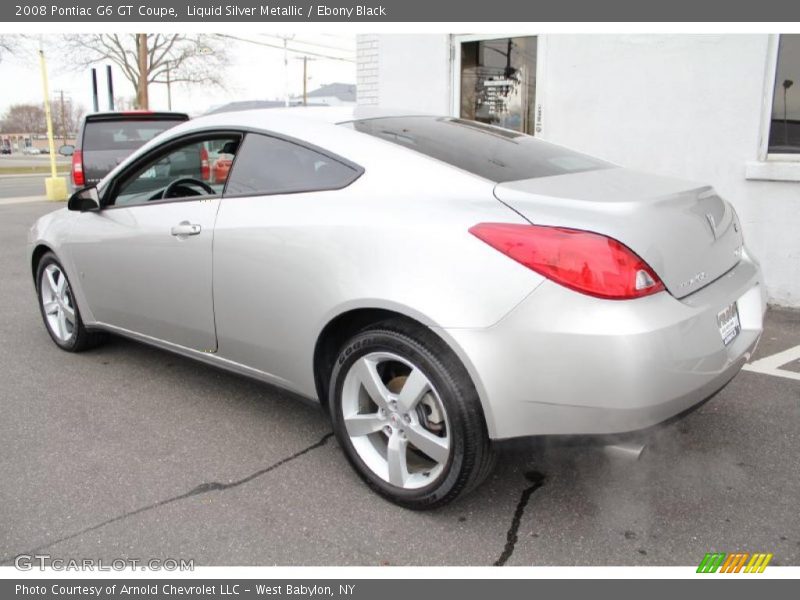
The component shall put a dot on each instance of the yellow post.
(55, 187)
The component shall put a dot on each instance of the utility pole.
(305, 60)
(169, 89)
(286, 39)
(305, 81)
(285, 72)
(63, 117)
(141, 46)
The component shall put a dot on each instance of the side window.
(268, 165)
(196, 169)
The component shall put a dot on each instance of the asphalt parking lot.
(131, 452)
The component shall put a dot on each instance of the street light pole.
(55, 187)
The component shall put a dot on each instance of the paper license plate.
(728, 322)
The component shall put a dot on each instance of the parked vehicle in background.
(5, 150)
(31, 150)
(106, 139)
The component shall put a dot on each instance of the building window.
(784, 130)
(498, 82)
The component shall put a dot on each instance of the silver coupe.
(437, 284)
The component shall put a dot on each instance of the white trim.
(773, 170)
(770, 70)
(540, 97)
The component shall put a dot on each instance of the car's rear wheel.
(407, 415)
(60, 312)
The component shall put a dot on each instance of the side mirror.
(66, 150)
(84, 199)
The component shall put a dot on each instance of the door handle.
(184, 229)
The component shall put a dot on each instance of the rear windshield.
(491, 152)
(122, 135)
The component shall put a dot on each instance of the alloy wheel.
(395, 420)
(57, 303)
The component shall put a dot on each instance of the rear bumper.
(566, 363)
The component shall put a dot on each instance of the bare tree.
(152, 58)
(8, 44)
(24, 118)
(124, 102)
(67, 115)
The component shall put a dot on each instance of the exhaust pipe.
(627, 451)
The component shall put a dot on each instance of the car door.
(144, 259)
(280, 199)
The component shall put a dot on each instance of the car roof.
(314, 124)
(135, 115)
(325, 114)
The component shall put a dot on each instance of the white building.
(722, 109)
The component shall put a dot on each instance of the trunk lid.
(683, 230)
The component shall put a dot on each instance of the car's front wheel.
(408, 417)
(60, 312)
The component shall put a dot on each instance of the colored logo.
(736, 562)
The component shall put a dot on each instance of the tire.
(423, 442)
(54, 294)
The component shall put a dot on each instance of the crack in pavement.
(203, 488)
(537, 481)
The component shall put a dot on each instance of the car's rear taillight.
(587, 262)
(205, 169)
(77, 169)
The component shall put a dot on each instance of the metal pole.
(305, 81)
(63, 120)
(285, 72)
(110, 80)
(48, 116)
(169, 89)
(55, 187)
(95, 101)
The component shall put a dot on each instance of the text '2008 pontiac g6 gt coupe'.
(436, 284)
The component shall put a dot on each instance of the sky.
(256, 72)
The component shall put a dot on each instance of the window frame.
(541, 67)
(358, 170)
(159, 152)
(771, 71)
